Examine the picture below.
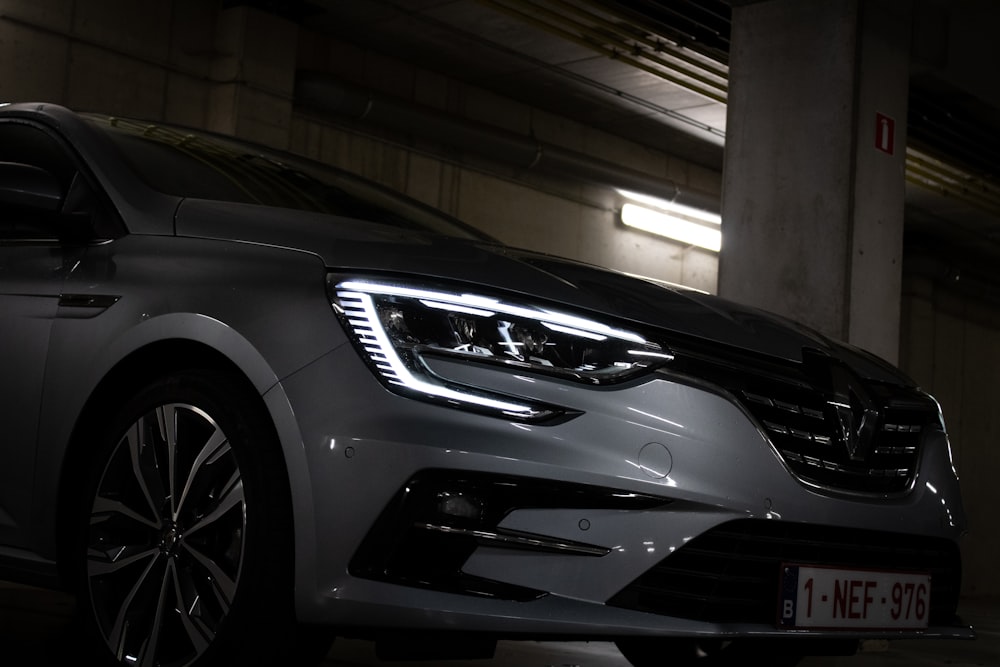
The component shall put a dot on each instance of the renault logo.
(855, 414)
(857, 417)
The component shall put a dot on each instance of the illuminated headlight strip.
(361, 314)
(471, 301)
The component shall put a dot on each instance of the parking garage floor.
(34, 626)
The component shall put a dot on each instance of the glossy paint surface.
(249, 284)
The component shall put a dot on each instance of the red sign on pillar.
(885, 133)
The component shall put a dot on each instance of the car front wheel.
(186, 544)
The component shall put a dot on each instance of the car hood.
(355, 245)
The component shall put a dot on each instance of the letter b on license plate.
(833, 598)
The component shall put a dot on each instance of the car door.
(33, 266)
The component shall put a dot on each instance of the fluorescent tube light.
(663, 223)
(672, 207)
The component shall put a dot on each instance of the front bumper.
(705, 463)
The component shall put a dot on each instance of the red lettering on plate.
(868, 596)
(851, 611)
(840, 598)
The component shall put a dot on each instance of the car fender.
(65, 403)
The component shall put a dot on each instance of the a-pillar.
(814, 173)
(254, 76)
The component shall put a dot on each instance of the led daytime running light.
(360, 311)
(546, 317)
(405, 331)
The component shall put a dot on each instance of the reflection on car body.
(251, 402)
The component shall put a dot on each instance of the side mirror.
(28, 186)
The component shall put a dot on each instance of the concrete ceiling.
(655, 71)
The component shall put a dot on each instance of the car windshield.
(188, 163)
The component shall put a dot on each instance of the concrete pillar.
(254, 76)
(814, 173)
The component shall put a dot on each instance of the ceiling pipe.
(948, 180)
(324, 94)
(602, 39)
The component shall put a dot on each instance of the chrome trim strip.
(517, 540)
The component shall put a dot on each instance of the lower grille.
(731, 573)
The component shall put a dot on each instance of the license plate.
(833, 598)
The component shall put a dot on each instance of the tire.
(653, 652)
(185, 552)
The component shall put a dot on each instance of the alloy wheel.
(166, 538)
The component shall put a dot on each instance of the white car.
(251, 403)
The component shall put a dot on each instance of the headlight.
(398, 326)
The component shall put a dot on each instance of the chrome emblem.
(857, 416)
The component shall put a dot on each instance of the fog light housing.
(440, 517)
(457, 505)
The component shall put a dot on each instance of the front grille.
(731, 574)
(806, 430)
(831, 428)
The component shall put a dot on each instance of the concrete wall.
(515, 204)
(568, 219)
(185, 62)
(148, 59)
(233, 71)
(950, 345)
